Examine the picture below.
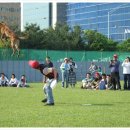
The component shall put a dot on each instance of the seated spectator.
(86, 83)
(22, 82)
(13, 81)
(109, 82)
(97, 79)
(102, 83)
(3, 80)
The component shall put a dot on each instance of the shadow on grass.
(79, 104)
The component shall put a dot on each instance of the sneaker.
(44, 100)
(49, 104)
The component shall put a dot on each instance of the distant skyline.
(36, 13)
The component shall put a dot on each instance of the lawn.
(74, 107)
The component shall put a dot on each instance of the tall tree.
(35, 36)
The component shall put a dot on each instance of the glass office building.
(44, 14)
(110, 19)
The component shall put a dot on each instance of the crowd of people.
(13, 82)
(95, 79)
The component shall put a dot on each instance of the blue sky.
(36, 13)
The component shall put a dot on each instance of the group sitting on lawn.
(98, 82)
(13, 82)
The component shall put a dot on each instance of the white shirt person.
(126, 73)
(3, 80)
(13, 81)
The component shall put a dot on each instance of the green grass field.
(74, 107)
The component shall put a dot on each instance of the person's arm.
(84, 80)
(68, 68)
(52, 64)
(62, 66)
(123, 64)
(19, 83)
(111, 64)
(15, 81)
(90, 67)
(10, 82)
(76, 66)
(6, 80)
(95, 67)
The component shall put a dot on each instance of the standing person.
(48, 64)
(114, 66)
(126, 73)
(72, 73)
(65, 67)
(93, 68)
(3, 80)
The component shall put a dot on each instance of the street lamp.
(109, 13)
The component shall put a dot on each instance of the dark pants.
(14, 85)
(126, 81)
(4, 84)
(115, 80)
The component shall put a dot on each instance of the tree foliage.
(124, 46)
(59, 38)
(62, 37)
(97, 41)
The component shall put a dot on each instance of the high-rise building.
(61, 12)
(44, 14)
(110, 19)
(10, 13)
(58, 13)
